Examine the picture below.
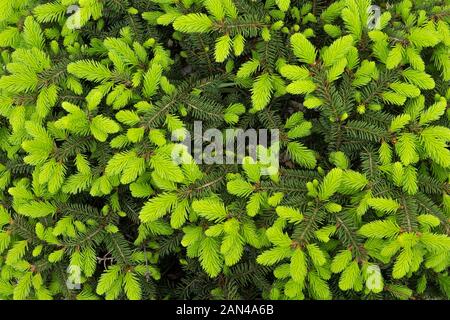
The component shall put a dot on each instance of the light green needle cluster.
(95, 100)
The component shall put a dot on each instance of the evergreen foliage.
(89, 101)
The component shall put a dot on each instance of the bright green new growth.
(93, 104)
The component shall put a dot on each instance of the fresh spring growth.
(109, 191)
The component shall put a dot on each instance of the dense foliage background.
(92, 206)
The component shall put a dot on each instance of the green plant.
(90, 103)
